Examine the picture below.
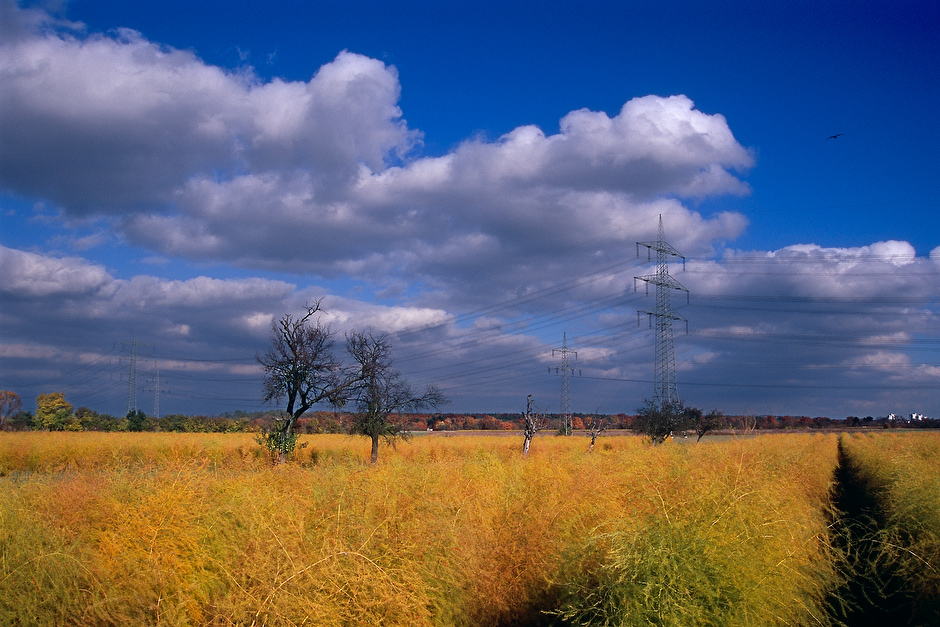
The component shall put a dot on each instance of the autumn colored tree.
(10, 405)
(491, 423)
(53, 412)
(767, 422)
(379, 390)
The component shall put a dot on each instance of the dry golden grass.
(901, 469)
(167, 529)
(716, 534)
(58, 451)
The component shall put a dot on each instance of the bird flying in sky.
(836, 136)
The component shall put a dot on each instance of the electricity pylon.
(132, 377)
(665, 390)
(132, 374)
(565, 371)
(156, 395)
(157, 390)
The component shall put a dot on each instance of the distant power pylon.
(132, 375)
(156, 394)
(565, 371)
(157, 390)
(665, 389)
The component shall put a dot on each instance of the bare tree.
(533, 422)
(380, 390)
(749, 424)
(300, 367)
(10, 405)
(597, 426)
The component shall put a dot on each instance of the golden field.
(200, 529)
(900, 473)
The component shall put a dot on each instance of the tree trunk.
(525, 444)
(375, 449)
(285, 434)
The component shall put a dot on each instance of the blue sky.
(472, 178)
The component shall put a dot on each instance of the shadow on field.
(538, 613)
(874, 593)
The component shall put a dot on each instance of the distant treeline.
(85, 419)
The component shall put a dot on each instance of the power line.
(499, 367)
(782, 386)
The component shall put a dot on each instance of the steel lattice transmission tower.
(132, 373)
(157, 390)
(132, 377)
(565, 371)
(156, 396)
(664, 380)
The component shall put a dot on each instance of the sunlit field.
(171, 529)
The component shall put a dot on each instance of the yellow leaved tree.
(54, 413)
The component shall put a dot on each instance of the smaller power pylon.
(157, 390)
(565, 371)
(665, 389)
(156, 394)
(132, 374)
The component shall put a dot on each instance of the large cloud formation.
(481, 257)
(198, 162)
(124, 123)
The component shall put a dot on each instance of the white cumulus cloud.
(195, 161)
(26, 274)
(104, 123)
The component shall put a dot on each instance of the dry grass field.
(900, 473)
(200, 529)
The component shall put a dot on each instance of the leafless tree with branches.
(597, 426)
(300, 367)
(10, 405)
(533, 422)
(380, 390)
